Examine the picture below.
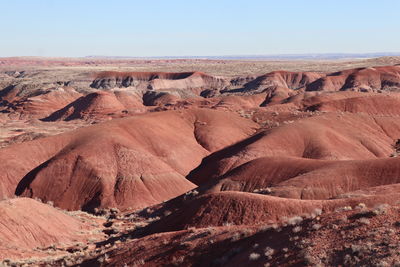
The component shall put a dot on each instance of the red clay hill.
(98, 105)
(129, 163)
(371, 79)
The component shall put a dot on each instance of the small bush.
(254, 256)
(167, 213)
(364, 221)
(295, 220)
(264, 191)
(345, 208)
(361, 206)
(316, 226)
(296, 229)
(269, 252)
(380, 209)
(316, 212)
(191, 194)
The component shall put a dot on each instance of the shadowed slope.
(240, 208)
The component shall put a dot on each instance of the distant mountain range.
(317, 56)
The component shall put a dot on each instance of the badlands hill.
(97, 105)
(23, 96)
(362, 79)
(276, 168)
(129, 163)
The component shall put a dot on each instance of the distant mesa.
(287, 79)
(156, 80)
(373, 79)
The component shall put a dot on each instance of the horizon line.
(231, 56)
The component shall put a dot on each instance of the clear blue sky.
(197, 28)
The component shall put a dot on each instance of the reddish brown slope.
(360, 237)
(329, 137)
(98, 105)
(240, 208)
(385, 104)
(42, 104)
(309, 179)
(373, 104)
(131, 101)
(233, 102)
(264, 173)
(17, 160)
(132, 162)
(287, 79)
(27, 224)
